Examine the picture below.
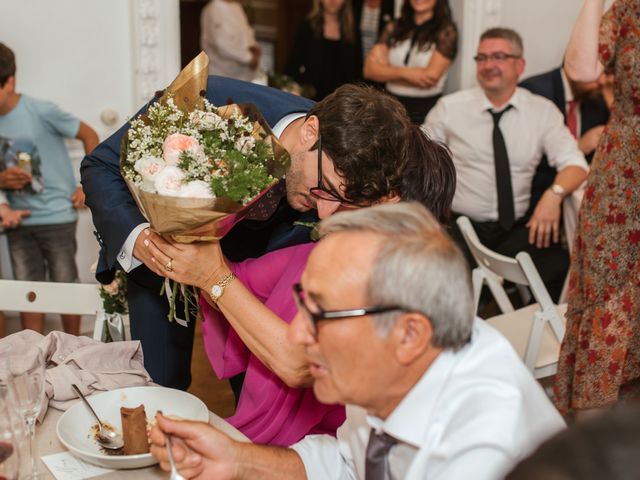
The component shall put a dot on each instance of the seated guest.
(497, 134)
(603, 448)
(585, 113)
(387, 328)
(414, 55)
(245, 321)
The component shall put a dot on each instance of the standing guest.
(228, 40)
(370, 18)
(326, 52)
(600, 355)
(585, 113)
(414, 55)
(42, 245)
(348, 148)
(497, 134)
(387, 328)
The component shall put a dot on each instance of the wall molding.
(155, 26)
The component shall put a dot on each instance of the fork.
(174, 471)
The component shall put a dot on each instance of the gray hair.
(418, 268)
(507, 34)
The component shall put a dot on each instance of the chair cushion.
(516, 326)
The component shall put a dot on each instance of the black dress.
(322, 63)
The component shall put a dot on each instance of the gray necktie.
(378, 448)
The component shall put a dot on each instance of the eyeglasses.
(314, 317)
(321, 192)
(496, 57)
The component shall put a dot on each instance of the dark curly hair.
(364, 131)
(379, 152)
(7, 64)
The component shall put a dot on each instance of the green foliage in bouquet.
(216, 147)
(114, 295)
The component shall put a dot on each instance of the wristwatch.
(217, 289)
(558, 190)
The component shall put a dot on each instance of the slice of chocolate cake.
(134, 430)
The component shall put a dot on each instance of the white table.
(48, 443)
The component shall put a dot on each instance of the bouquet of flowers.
(193, 167)
(114, 304)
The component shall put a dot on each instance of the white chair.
(535, 331)
(52, 297)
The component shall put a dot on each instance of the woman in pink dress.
(246, 329)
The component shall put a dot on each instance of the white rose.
(148, 167)
(177, 143)
(196, 189)
(168, 181)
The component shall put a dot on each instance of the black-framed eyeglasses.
(315, 317)
(321, 192)
(496, 57)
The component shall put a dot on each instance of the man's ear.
(390, 198)
(11, 83)
(412, 334)
(310, 131)
(521, 64)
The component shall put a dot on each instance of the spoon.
(106, 438)
(174, 471)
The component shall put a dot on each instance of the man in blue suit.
(585, 112)
(346, 150)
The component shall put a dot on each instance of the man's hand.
(77, 199)
(14, 178)
(199, 450)
(13, 218)
(544, 224)
(589, 141)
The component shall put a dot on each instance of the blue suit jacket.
(115, 213)
(593, 112)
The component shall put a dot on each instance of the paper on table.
(65, 466)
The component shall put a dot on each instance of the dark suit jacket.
(593, 112)
(115, 213)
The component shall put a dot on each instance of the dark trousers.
(552, 262)
(167, 345)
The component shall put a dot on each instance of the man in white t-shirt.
(388, 329)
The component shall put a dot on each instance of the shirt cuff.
(125, 257)
(321, 457)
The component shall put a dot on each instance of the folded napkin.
(90, 364)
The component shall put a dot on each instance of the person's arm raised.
(581, 60)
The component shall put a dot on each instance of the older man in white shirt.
(497, 134)
(388, 329)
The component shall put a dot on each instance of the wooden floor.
(216, 394)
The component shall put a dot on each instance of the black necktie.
(506, 213)
(377, 451)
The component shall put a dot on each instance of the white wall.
(92, 57)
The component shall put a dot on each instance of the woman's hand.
(192, 264)
(418, 77)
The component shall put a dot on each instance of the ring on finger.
(169, 265)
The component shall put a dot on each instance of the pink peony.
(168, 181)
(177, 143)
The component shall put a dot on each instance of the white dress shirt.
(418, 58)
(125, 256)
(533, 127)
(473, 415)
(225, 36)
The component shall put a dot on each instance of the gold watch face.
(216, 291)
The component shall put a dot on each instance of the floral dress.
(600, 355)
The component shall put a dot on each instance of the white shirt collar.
(284, 122)
(403, 423)
(515, 101)
(568, 93)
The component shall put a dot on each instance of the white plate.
(74, 426)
